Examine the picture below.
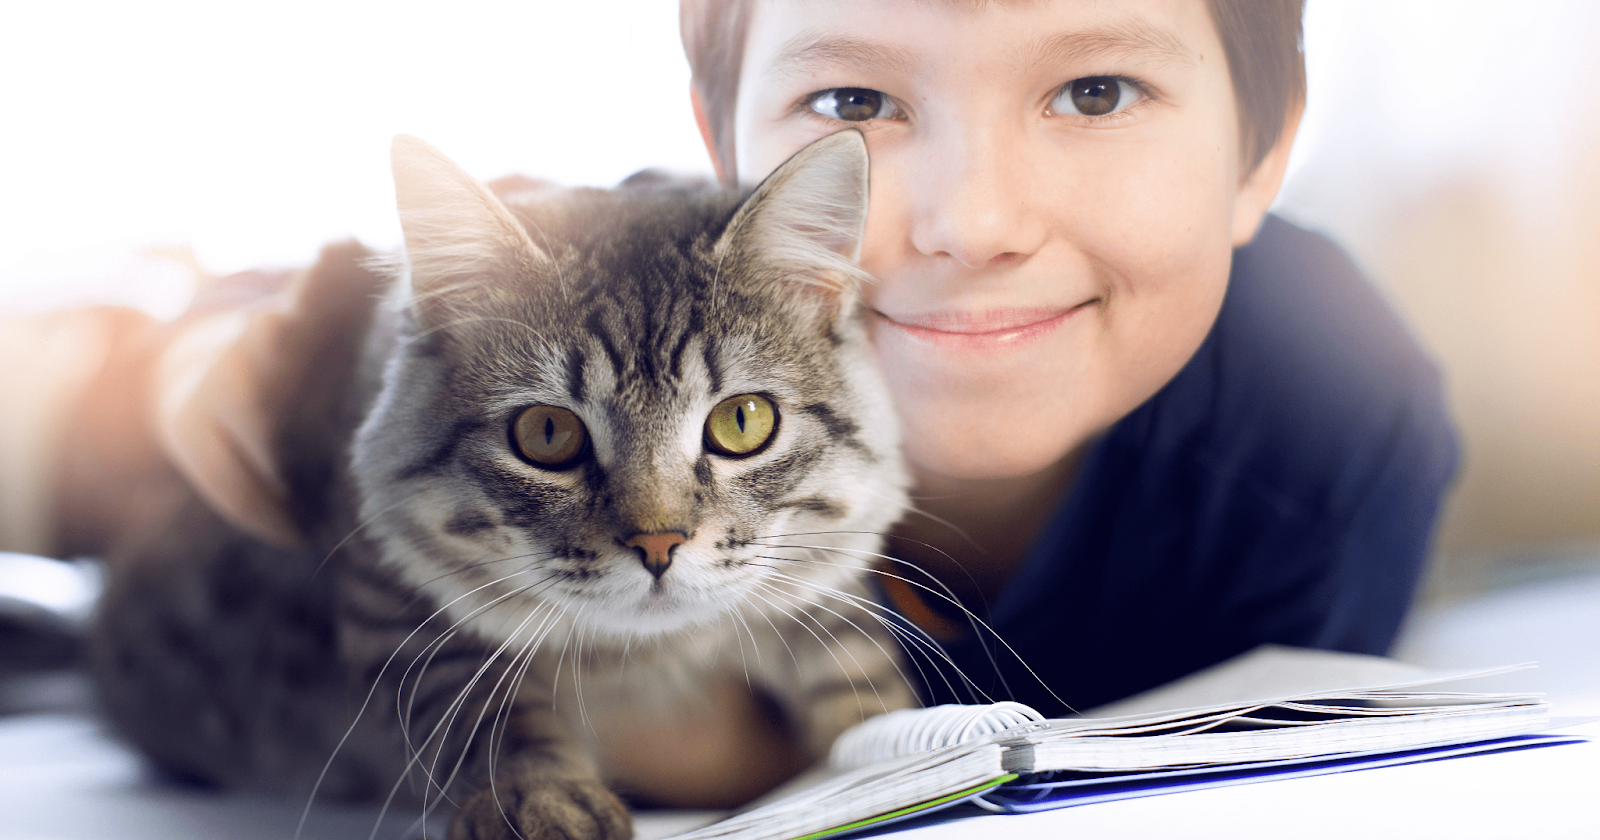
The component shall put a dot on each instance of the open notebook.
(1273, 713)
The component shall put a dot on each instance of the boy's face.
(1055, 195)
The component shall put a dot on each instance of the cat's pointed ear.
(805, 221)
(456, 230)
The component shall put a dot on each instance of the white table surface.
(62, 779)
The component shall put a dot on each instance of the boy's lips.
(988, 329)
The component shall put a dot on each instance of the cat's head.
(632, 407)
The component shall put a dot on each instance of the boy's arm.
(1355, 588)
(213, 391)
(49, 363)
(112, 415)
(1346, 444)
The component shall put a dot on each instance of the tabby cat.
(583, 462)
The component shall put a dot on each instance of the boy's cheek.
(758, 160)
(1173, 198)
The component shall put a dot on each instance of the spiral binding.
(910, 731)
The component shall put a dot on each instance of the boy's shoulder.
(1308, 382)
(1303, 326)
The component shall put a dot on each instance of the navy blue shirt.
(1281, 488)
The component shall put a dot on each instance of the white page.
(1118, 754)
(1272, 672)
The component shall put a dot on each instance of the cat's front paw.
(542, 806)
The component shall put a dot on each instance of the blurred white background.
(1452, 145)
(255, 133)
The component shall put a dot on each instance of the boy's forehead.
(802, 37)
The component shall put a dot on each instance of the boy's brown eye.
(853, 104)
(1095, 96)
(550, 436)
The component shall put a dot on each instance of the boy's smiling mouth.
(987, 329)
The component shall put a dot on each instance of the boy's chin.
(1008, 429)
(988, 454)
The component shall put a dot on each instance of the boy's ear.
(703, 120)
(1260, 187)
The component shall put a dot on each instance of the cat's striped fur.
(481, 623)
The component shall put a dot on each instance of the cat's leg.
(543, 785)
(479, 722)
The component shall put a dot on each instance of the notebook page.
(1272, 672)
(1052, 751)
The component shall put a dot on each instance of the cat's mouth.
(659, 599)
(663, 606)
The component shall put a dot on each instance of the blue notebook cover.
(1049, 791)
(1045, 791)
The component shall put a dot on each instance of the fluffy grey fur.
(470, 619)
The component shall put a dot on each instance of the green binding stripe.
(921, 806)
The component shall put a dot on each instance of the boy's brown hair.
(1261, 37)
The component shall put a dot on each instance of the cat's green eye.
(740, 425)
(549, 436)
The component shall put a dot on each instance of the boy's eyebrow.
(1130, 39)
(807, 51)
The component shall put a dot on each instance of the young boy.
(1150, 426)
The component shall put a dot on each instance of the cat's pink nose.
(655, 550)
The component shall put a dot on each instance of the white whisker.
(347, 537)
(779, 593)
(744, 664)
(502, 681)
(417, 755)
(438, 736)
(367, 701)
(913, 639)
(853, 600)
(775, 631)
(555, 688)
(920, 645)
(979, 625)
(526, 655)
(439, 642)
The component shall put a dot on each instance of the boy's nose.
(973, 204)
